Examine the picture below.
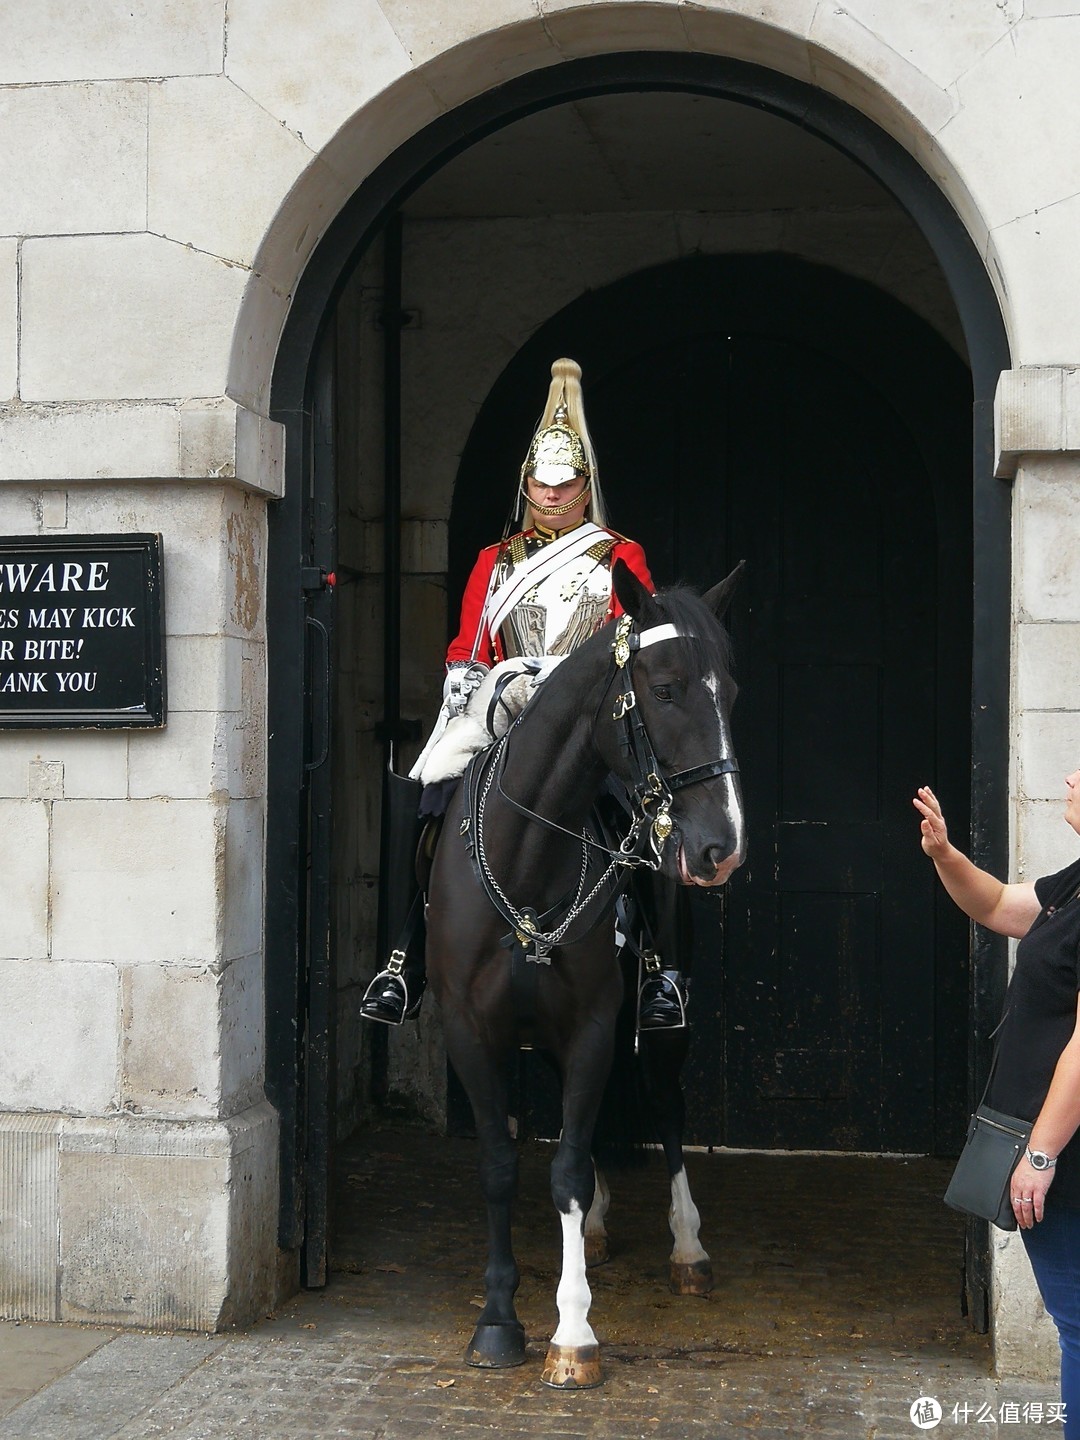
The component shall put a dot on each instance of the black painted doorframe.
(289, 831)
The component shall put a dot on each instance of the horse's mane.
(708, 642)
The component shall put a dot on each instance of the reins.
(651, 795)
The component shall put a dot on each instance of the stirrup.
(390, 997)
(662, 995)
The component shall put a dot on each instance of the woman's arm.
(1058, 1121)
(1005, 909)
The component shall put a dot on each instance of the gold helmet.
(562, 439)
(557, 444)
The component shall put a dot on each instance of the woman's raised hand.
(935, 837)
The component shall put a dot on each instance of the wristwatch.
(1039, 1160)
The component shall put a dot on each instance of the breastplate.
(554, 616)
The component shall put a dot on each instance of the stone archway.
(349, 234)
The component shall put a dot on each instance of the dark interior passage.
(764, 409)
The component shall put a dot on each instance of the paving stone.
(94, 1400)
(32, 1356)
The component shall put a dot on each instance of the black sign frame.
(96, 596)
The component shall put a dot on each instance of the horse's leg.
(573, 1358)
(663, 1055)
(499, 1337)
(596, 1238)
(691, 1268)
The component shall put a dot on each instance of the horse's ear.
(629, 591)
(719, 597)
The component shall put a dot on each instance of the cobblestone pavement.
(836, 1307)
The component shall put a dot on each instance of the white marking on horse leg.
(685, 1223)
(573, 1296)
(594, 1220)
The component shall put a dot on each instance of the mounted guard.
(531, 600)
(521, 938)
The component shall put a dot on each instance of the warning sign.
(81, 631)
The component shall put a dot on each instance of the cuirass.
(557, 613)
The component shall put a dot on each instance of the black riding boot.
(394, 995)
(663, 996)
(663, 990)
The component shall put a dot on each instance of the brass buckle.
(527, 930)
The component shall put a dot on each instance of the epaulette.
(502, 544)
(509, 551)
(602, 549)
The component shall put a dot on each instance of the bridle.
(651, 793)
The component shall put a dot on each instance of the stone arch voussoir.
(842, 61)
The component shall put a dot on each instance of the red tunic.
(467, 646)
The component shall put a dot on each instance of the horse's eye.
(662, 692)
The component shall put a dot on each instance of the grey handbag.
(980, 1182)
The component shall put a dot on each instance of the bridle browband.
(651, 793)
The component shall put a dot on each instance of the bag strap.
(994, 1058)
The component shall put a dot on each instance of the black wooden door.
(814, 976)
(828, 981)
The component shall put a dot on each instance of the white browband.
(656, 633)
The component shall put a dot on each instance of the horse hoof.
(572, 1367)
(596, 1250)
(497, 1347)
(693, 1279)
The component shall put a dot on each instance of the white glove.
(462, 678)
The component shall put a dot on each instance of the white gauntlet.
(462, 678)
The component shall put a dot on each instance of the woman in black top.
(1038, 1069)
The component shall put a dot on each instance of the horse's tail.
(622, 1127)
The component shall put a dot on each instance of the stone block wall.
(1047, 628)
(131, 965)
(147, 266)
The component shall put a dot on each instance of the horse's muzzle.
(722, 872)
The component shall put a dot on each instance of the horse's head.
(684, 693)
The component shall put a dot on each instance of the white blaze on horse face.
(573, 1296)
(733, 805)
(685, 1222)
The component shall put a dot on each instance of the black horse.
(519, 927)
